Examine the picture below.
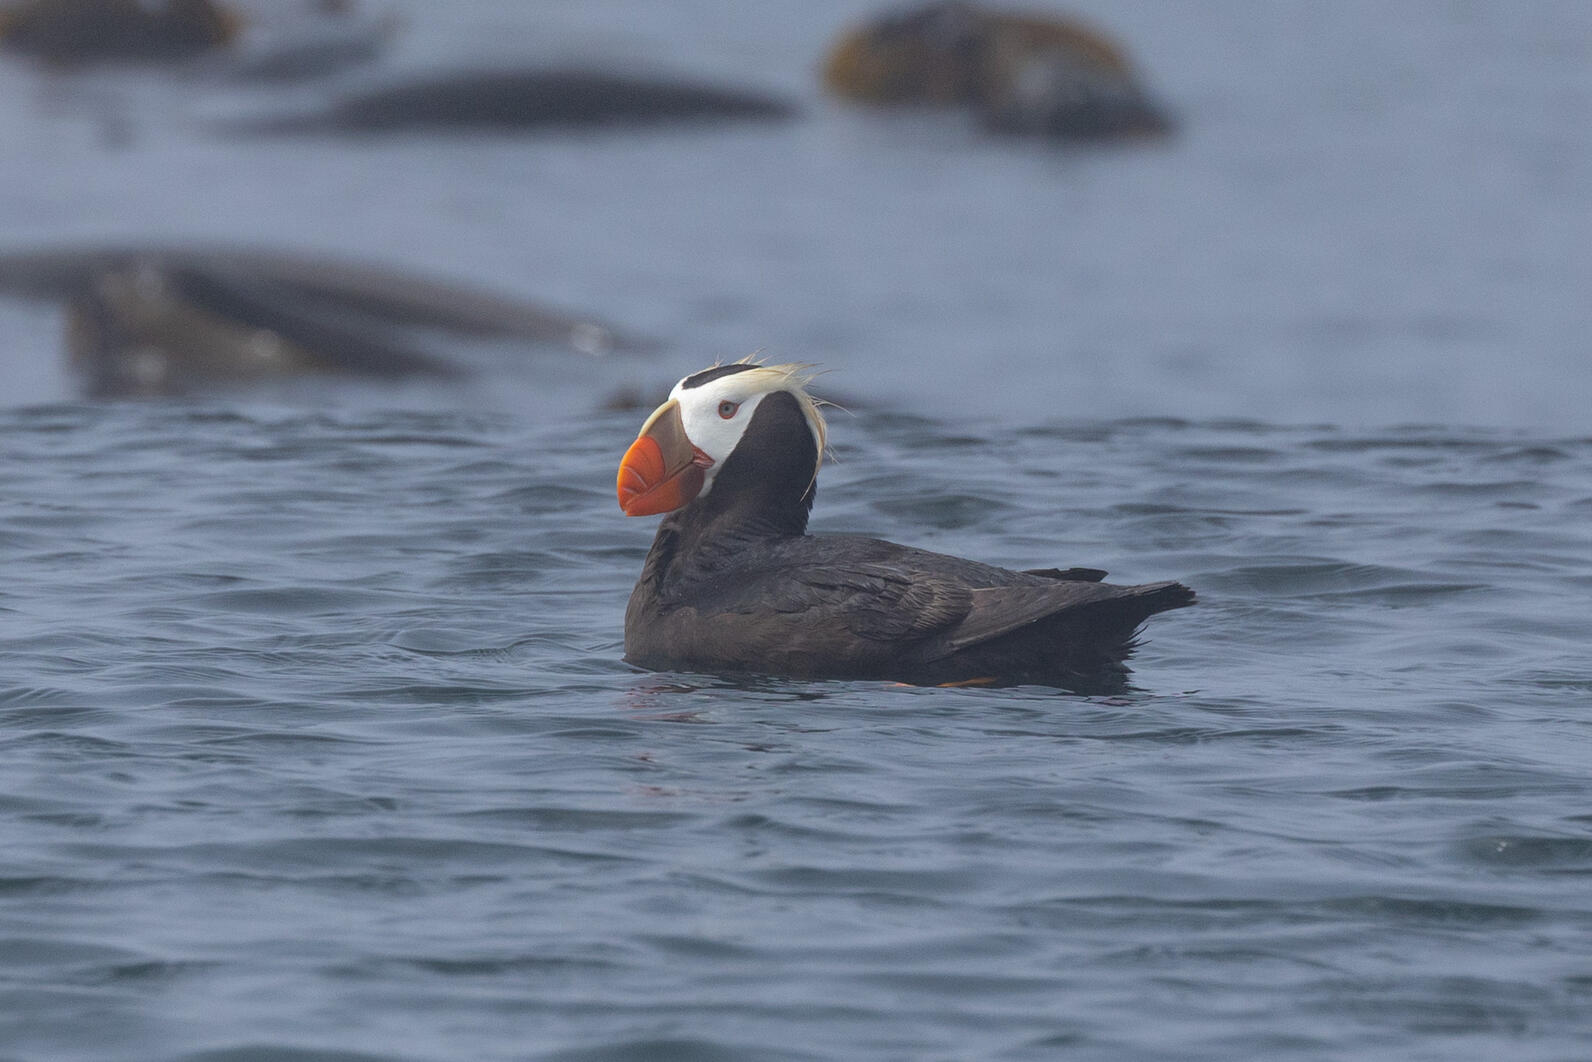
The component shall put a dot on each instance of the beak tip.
(640, 472)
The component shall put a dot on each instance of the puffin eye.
(727, 408)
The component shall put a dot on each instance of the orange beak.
(662, 470)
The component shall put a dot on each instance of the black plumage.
(733, 583)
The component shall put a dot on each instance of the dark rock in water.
(1020, 73)
(928, 54)
(1051, 95)
(84, 32)
(89, 31)
(374, 291)
(626, 400)
(145, 331)
(161, 321)
(525, 99)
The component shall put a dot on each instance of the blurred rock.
(327, 40)
(200, 36)
(89, 31)
(631, 399)
(524, 99)
(1021, 73)
(145, 331)
(170, 321)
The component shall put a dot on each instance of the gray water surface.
(315, 737)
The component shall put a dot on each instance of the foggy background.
(1368, 214)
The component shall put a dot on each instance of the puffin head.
(751, 431)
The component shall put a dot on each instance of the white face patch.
(715, 414)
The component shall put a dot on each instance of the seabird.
(734, 583)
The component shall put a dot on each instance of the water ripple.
(315, 734)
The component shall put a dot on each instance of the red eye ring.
(727, 409)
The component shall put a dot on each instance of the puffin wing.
(999, 610)
(876, 602)
(883, 604)
(809, 619)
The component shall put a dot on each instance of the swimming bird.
(734, 583)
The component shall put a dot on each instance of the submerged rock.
(1021, 73)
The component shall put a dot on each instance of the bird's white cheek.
(714, 435)
(718, 443)
(707, 435)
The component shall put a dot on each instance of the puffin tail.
(1161, 597)
(1117, 622)
(1083, 647)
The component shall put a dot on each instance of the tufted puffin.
(734, 583)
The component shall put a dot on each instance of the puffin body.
(733, 582)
